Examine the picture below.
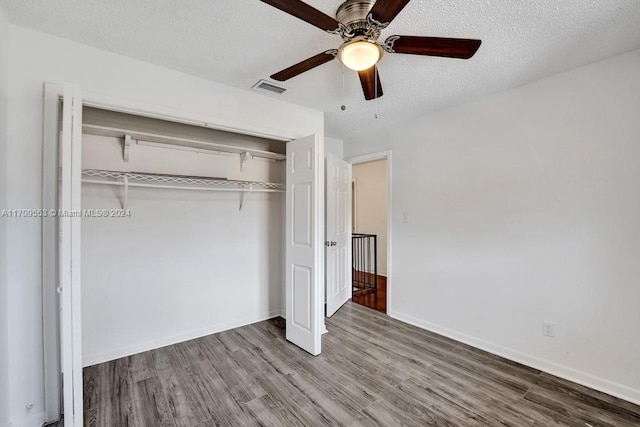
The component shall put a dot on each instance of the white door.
(338, 240)
(305, 242)
(69, 205)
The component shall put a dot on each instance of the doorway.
(370, 228)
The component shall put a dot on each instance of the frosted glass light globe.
(360, 55)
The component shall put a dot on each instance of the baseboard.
(32, 420)
(94, 359)
(609, 387)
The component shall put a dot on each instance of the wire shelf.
(97, 176)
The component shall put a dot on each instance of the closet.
(182, 232)
(165, 228)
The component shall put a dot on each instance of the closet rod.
(175, 182)
(142, 179)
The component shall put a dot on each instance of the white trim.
(173, 114)
(94, 359)
(381, 155)
(597, 383)
(75, 248)
(371, 157)
(64, 256)
(319, 230)
(354, 197)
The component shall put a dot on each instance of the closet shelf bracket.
(242, 196)
(126, 148)
(244, 159)
(125, 198)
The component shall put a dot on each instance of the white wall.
(35, 58)
(334, 147)
(4, 328)
(524, 207)
(371, 205)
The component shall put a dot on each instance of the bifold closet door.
(338, 242)
(305, 243)
(69, 222)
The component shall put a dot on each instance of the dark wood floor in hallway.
(373, 371)
(372, 298)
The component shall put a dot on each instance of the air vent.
(265, 86)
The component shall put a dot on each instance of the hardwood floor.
(375, 299)
(373, 371)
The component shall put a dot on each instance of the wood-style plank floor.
(373, 371)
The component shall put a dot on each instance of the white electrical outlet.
(405, 217)
(548, 329)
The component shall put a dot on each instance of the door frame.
(52, 94)
(365, 158)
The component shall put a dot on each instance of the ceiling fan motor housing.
(352, 14)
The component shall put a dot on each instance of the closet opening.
(183, 232)
(169, 230)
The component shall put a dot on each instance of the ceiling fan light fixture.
(360, 54)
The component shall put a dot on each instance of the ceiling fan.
(359, 23)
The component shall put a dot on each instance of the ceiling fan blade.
(303, 11)
(384, 11)
(371, 86)
(305, 65)
(434, 46)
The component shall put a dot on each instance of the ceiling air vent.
(265, 86)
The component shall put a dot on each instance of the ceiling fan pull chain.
(343, 84)
(375, 70)
(343, 107)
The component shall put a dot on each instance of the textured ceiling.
(238, 42)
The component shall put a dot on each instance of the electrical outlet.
(548, 329)
(405, 217)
